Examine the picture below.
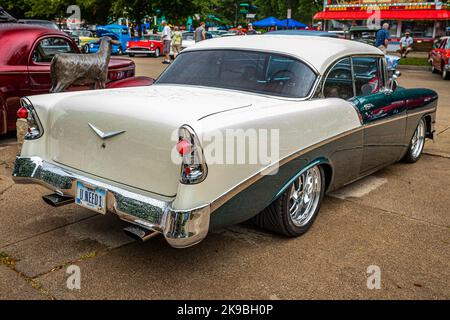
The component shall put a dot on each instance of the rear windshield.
(258, 72)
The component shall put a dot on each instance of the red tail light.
(22, 113)
(183, 147)
(193, 168)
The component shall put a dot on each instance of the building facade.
(425, 19)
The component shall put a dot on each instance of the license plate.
(91, 197)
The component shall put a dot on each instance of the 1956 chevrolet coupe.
(333, 112)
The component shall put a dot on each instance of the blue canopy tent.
(291, 23)
(267, 22)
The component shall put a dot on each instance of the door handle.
(367, 107)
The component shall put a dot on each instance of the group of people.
(382, 41)
(173, 40)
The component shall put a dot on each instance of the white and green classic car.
(330, 107)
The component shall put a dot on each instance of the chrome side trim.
(181, 228)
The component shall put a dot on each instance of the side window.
(339, 82)
(46, 49)
(442, 44)
(368, 75)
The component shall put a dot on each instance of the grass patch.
(414, 62)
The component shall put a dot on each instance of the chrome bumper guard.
(181, 228)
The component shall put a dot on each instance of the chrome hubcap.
(418, 140)
(304, 196)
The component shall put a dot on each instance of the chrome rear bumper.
(181, 228)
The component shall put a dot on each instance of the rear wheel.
(417, 143)
(131, 55)
(294, 212)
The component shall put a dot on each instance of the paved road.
(397, 219)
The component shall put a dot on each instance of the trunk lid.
(140, 157)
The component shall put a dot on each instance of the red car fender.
(131, 82)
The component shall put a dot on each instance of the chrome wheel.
(444, 74)
(418, 140)
(304, 196)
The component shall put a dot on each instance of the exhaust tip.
(139, 233)
(55, 200)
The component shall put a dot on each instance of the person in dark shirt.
(382, 38)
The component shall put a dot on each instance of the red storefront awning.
(386, 15)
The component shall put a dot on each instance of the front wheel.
(417, 143)
(157, 53)
(445, 74)
(120, 51)
(86, 49)
(294, 212)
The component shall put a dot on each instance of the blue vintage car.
(94, 46)
(114, 31)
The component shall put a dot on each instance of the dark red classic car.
(25, 55)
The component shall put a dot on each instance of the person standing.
(167, 41)
(177, 41)
(382, 38)
(200, 33)
(406, 44)
(239, 31)
(251, 31)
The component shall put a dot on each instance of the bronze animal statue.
(82, 69)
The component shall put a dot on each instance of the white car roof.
(319, 52)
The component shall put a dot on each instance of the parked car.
(189, 39)
(5, 17)
(85, 37)
(439, 57)
(42, 23)
(333, 115)
(94, 45)
(363, 34)
(74, 37)
(150, 45)
(25, 66)
(122, 33)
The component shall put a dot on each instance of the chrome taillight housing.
(193, 167)
(35, 130)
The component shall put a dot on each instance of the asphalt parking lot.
(397, 219)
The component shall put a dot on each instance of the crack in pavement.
(443, 130)
(6, 189)
(10, 263)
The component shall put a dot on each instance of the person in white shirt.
(167, 41)
(406, 44)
